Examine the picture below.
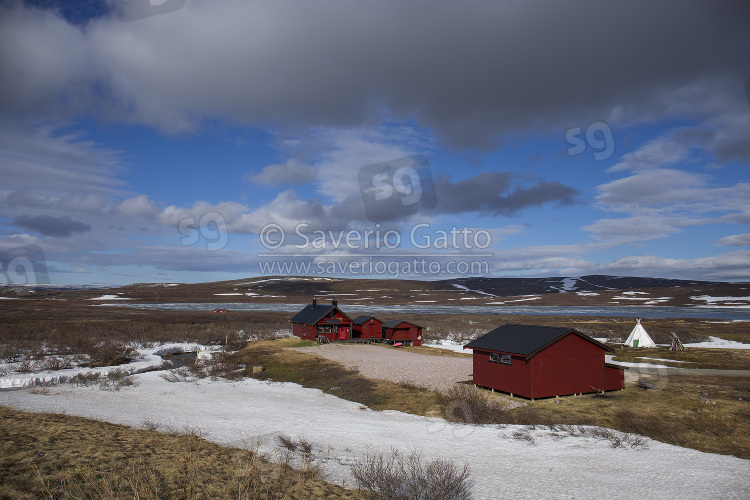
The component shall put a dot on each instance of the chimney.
(334, 302)
(315, 302)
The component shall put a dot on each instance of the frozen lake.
(729, 313)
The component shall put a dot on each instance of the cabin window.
(324, 329)
(496, 357)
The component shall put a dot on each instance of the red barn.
(367, 327)
(319, 321)
(542, 361)
(401, 331)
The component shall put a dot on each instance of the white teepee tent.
(639, 337)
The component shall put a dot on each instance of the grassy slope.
(59, 456)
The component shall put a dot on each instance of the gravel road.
(372, 361)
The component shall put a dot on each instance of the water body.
(645, 312)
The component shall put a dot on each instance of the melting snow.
(716, 342)
(553, 466)
(150, 358)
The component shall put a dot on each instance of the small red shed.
(542, 362)
(402, 331)
(367, 327)
(318, 321)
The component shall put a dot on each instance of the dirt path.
(372, 361)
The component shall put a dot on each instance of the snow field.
(552, 467)
(150, 358)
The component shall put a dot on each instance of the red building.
(541, 362)
(367, 327)
(395, 331)
(321, 321)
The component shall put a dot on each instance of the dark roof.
(363, 318)
(311, 314)
(395, 322)
(526, 340)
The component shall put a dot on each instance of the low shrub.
(111, 353)
(399, 476)
(465, 403)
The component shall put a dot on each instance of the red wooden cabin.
(367, 327)
(322, 321)
(395, 331)
(541, 362)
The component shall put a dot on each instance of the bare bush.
(115, 380)
(111, 353)
(616, 438)
(404, 477)
(176, 375)
(54, 363)
(524, 435)
(299, 454)
(27, 366)
(85, 379)
(466, 403)
(150, 425)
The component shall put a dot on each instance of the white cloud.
(291, 172)
(140, 206)
(736, 240)
(634, 229)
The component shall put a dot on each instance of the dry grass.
(58, 456)
(705, 413)
(34, 328)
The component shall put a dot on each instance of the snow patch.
(719, 343)
(250, 410)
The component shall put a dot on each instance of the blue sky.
(164, 141)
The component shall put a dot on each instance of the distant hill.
(594, 290)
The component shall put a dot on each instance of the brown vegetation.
(58, 456)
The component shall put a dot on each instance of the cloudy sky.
(195, 140)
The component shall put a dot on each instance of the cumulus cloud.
(346, 64)
(140, 206)
(47, 225)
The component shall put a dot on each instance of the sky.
(192, 141)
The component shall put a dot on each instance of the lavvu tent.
(639, 337)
